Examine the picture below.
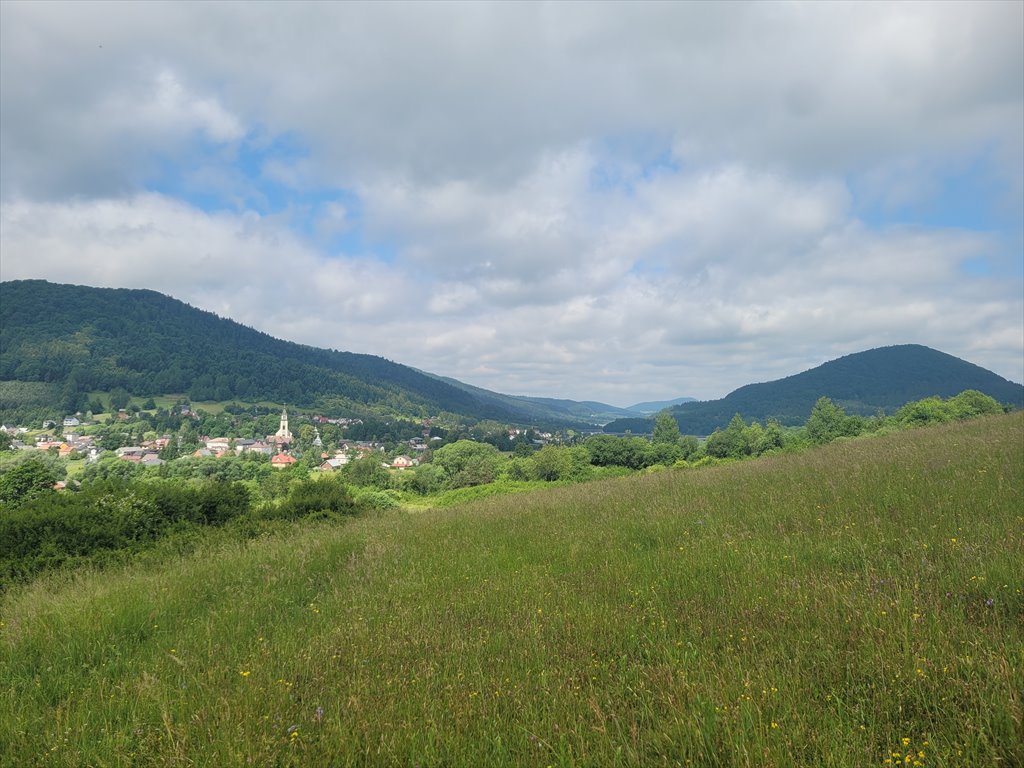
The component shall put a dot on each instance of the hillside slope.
(84, 339)
(827, 608)
(546, 409)
(864, 383)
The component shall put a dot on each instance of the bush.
(318, 498)
(374, 499)
(106, 517)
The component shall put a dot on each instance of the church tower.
(283, 431)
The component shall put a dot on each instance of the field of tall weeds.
(856, 605)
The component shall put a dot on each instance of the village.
(71, 440)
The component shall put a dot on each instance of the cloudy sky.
(597, 201)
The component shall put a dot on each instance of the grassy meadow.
(856, 605)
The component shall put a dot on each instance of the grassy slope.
(815, 609)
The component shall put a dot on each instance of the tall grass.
(857, 605)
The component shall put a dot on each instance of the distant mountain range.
(657, 406)
(71, 340)
(864, 383)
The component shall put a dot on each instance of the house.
(332, 464)
(246, 445)
(71, 421)
(218, 444)
(282, 460)
(403, 462)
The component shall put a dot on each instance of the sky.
(598, 201)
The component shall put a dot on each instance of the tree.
(427, 478)
(666, 429)
(829, 421)
(730, 442)
(27, 480)
(119, 398)
(368, 471)
(689, 445)
(971, 403)
(552, 463)
(523, 448)
(465, 463)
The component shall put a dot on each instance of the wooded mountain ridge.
(80, 339)
(864, 383)
(87, 339)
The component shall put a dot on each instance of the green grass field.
(856, 605)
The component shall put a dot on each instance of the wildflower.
(319, 714)
(906, 741)
(244, 673)
(774, 724)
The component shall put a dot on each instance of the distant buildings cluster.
(277, 446)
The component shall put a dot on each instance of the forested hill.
(85, 339)
(862, 383)
(545, 409)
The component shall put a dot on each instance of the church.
(283, 437)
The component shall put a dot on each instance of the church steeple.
(283, 431)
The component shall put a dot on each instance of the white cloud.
(850, 289)
(620, 201)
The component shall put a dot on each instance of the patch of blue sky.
(272, 177)
(626, 160)
(978, 267)
(649, 268)
(972, 196)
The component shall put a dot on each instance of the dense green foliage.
(146, 343)
(27, 480)
(118, 514)
(862, 384)
(151, 503)
(466, 462)
(43, 532)
(852, 605)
